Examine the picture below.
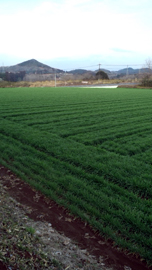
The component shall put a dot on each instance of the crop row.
(89, 150)
(92, 159)
(106, 208)
(63, 112)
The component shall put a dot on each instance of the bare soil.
(36, 233)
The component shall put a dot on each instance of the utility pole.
(55, 78)
(65, 78)
(99, 66)
(127, 72)
(3, 70)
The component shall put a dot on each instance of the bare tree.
(147, 78)
(149, 65)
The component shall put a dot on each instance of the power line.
(104, 65)
(79, 67)
(125, 65)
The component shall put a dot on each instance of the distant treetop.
(102, 75)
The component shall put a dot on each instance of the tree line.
(13, 77)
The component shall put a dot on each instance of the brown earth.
(72, 242)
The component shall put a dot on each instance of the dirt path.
(68, 242)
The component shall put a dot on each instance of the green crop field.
(89, 150)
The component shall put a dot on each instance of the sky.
(71, 34)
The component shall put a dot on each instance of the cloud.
(76, 29)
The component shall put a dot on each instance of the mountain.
(32, 67)
(83, 71)
(127, 70)
(32, 63)
(79, 71)
(131, 71)
(35, 67)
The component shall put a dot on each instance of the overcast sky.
(70, 34)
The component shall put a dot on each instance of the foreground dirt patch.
(54, 239)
